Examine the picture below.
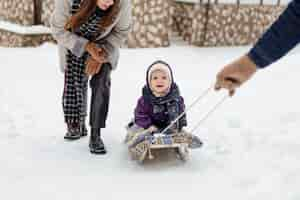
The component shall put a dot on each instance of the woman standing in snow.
(278, 40)
(89, 34)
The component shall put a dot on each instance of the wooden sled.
(141, 144)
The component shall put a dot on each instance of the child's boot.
(96, 144)
(196, 142)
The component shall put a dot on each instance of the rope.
(187, 109)
(209, 113)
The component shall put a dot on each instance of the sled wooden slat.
(164, 146)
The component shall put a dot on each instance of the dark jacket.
(160, 111)
(280, 38)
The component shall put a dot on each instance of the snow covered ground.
(252, 141)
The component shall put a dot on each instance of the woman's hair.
(87, 7)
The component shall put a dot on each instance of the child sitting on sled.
(159, 105)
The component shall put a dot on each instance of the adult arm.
(76, 44)
(119, 33)
(279, 39)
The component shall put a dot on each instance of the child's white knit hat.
(162, 66)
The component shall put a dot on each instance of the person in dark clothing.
(277, 41)
(160, 102)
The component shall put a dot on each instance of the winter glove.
(138, 138)
(92, 66)
(96, 52)
(235, 74)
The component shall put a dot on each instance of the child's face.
(159, 82)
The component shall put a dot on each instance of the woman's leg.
(100, 85)
(83, 128)
(73, 96)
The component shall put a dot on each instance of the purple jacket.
(159, 111)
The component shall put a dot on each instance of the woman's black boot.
(96, 144)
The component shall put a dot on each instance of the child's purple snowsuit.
(160, 111)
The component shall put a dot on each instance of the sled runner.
(141, 142)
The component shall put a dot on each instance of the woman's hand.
(92, 66)
(97, 53)
(235, 74)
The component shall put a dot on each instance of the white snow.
(25, 30)
(251, 142)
